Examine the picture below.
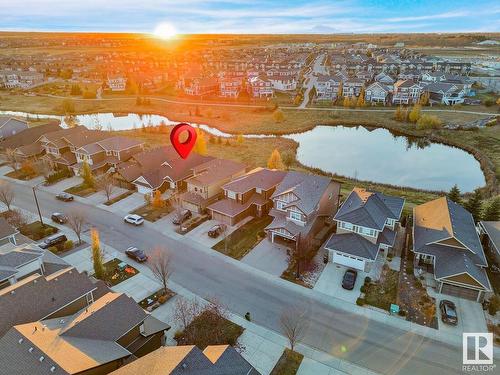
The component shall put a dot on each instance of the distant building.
(117, 83)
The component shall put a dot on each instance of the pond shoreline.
(488, 168)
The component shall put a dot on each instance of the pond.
(357, 152)
(380, 156)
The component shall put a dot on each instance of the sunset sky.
(252, 16)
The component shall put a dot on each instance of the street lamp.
(37, 205)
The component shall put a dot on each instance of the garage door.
(457, 291)
(348, 261)
(222, 218)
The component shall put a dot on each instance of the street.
(353, 337)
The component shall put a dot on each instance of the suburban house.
(384, 78)
(117, 83)
(445, 93)
(248, 195)
(327, 87)
(201, 86)
(352, 87)
(260, 87)
(160, 168)
(18, 263)
(106, 153)
(433, 76)
(84, 342)
(366, 224)
(24, 79)
(205, 186)
(7, 233)
(190, 360)
(283, 82)
(406, 92)
(230, 87)
(377, 92)
(490, 230)
(37, 297)
(10, 126)
(446, 244)
(301, 204)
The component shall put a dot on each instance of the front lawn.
(152, 213)
(21, 175)
(114, 275)
(118, 198)
(288, 364)
(245, 238)
(201, 332)
(36, 231)
(82, 190)
(383, 292)
(156, 299)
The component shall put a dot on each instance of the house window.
(295, 216)
(280, 205)
(231, 194)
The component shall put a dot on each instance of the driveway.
(62, 185)
(100, 197)
(259, 352)
(129, 204)
(330, 283)
(200, 233)
(470, 315)
(268, 257)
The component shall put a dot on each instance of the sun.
(165, 31)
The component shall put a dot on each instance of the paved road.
(311, 79)
(367, 343)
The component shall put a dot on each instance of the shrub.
(368, 280)
(162, 299)
(429, 122)
(418, 283)
(360, 301)
(53, 249)
(494, 305)
(68, 245)
(402, 313)
(177, 335)
(48, 231)
(362, 289)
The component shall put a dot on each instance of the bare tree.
(293, 324)
(185, 311)
(76, 220)
(44, 167)
(11, 158)
(6, 194)
(106, 183)
(160, 263)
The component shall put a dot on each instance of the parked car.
(448, 312)
(181, 216)
(136, 254)
(216, 230)
(53, 240)
(134, 219)
(65, 197)
(59, 218)
(349, 279)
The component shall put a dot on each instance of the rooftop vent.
(20, 341)
(53, 369)
(41, 358)
(30, 350)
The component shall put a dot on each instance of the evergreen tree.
(340, 91)
(274, 161)
(492, 211)
(86, 174)
(346, 102)
(454, 194)
(424, 99)
(473, 205)
(97, 254)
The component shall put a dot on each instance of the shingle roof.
(493, 230)
(351, 243)
(6, 230)
(215, 170)
(369, 209)
(119, 143)
(308, 188)
(259, 178)
(189, 360)
(231, 207)
(28, 136)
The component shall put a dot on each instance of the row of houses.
(442, 88)
(24, 79)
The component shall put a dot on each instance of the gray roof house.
(189, 360)
(301, 203)
(491, 229)
(366, 224)
(7, 232)
(446, 243)
(97, 339)
(10, 126)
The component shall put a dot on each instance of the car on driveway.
(181, 217)
(53, 240)
(134, 219)
(59, 218)
(136, 254)
(448, 312)
(216, 230)
(65, 197)
(349, 279)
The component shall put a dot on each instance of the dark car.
(136, 254)
(448, 312)
(54, 240)
(349, 279)
(65, 197)
(59, 218)
(182, 216)
(216, 230)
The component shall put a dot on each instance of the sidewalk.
(261, 347)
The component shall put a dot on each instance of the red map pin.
(183, 148)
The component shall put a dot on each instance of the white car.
(134, 219)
